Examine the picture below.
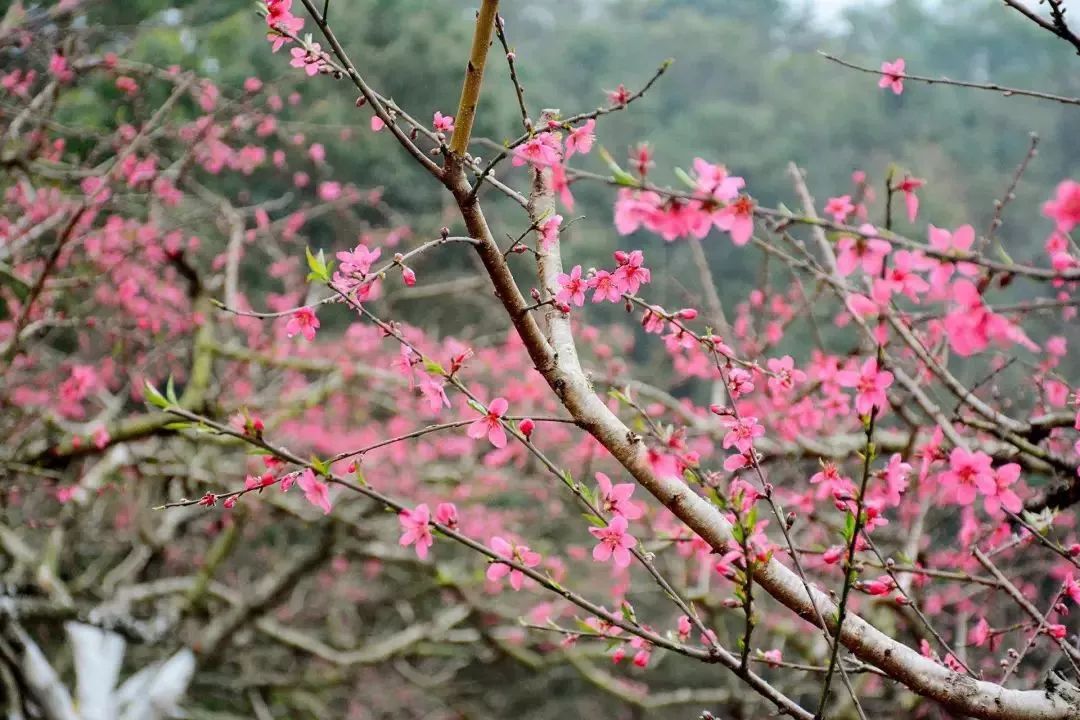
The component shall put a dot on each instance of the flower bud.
(526, 426)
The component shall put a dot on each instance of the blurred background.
(747, 89)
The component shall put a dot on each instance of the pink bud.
(833, 555)
(408, 275)
(526, 426)
(1074, 550)
(618, 655)
(687, 313)
(874, 587)
(230, 502)
(208, 500)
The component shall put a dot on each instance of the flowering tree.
(866, 525)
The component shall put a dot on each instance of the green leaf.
(317, 265)
(181, 425)
(681, 174)
(594, 520)
(849, 526)
(627, 611)
(320, 467)
(170, 391)
(583, 626)
(618, 395)
(433, 367)
(154, 397)
(737, 533)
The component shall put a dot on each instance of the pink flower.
(358, 261)
(868, 253)
(303, 321)
(491, 424)
(615, 499)
(60, 68)
(317, 153)
(739, 382)
(571, 287)
(684, 627)
(520, 554)
(541, 150)
(619, 96)
(604, 287)
(773, 657)
(316, 491)
(615, 542)
(742, 432)
(631, 273)
(737, 218)
(839, 208)
(968, 472)
(740, 461)
(416, 530)
(581, 139)
(443, 123)
(901, 274)
(329, 190)
(127, 85)
(999, 494)
(1064, 208)
(895, 476)
(870, 385)
(892, 75)
(951, 243)
(549, 232)
(1057, 631)
(434, 392)
(561, 185)
(446, 514)
(1072, 586)
(979, 633)
(784, 375)
(309, 59)
(714, 182)
(279, 16)
(908, 186)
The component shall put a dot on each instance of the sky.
(827, 10)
